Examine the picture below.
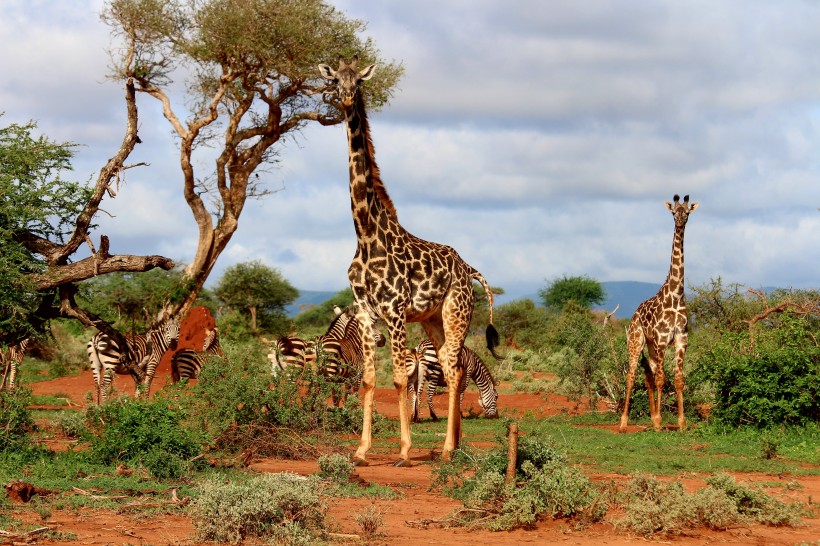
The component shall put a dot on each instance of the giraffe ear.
(367, 73)
(327, 72)
(669, 206)
(693, 206)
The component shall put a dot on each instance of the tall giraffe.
(400, 278)
(657, 323)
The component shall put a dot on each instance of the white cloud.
(537, 139)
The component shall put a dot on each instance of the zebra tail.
(493, 339)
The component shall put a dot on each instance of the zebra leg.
(431, 390)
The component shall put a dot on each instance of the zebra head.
(170, 332)
(488, 400)
(211, 343)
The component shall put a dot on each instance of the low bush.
(15, 419)
(546, 486)
(654, 507)
(283, 508)
(152, 433)
(240, 404)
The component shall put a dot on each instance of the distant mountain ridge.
(627, 294)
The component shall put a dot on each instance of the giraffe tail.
(493, 339)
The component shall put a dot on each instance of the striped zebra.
(147, 349)
(10, 359)
(187, 363)
(341, 349)
(344, 324)
(290, 351)
(423, 366)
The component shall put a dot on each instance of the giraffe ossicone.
(398, 277)
(658, 322)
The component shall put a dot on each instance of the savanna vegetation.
(753, 380)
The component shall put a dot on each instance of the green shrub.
(240, 404)
(280, 507)
(152, 433)
(772, 382)
(15, 419)
(546, 486)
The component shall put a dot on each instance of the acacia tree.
(249, 68)
(583, 290)
(257, 289)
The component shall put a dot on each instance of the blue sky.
(539, 139)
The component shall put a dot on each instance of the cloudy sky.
(539, 139)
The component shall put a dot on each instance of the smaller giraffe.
(658, 322)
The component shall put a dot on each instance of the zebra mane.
(340, 320)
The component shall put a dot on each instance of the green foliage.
(593, 367)
(238, 403)
(283, 508)
(583, 290)
(258, 290)
(546, 486)
(524, 322)
(152, 433)
(718, 308)
(34, 200)
(15, 419)
(772, 382)
(131, 301)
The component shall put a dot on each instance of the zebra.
(289, 351)
(147, 349)
(343, 326)
(423, 366)
(187, 363)
(11, 359)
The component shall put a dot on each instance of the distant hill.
(306, 299)
(629, 294)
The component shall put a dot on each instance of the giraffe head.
(681, 210)
(346, 79)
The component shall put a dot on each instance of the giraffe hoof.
(359, 461)
(403, 463)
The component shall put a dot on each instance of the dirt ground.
(403, 519)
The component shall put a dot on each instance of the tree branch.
(94, 265)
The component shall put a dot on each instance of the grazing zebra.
(423, 366)
(187, 363)
(11, 359)
(290, 351)
(147, 350)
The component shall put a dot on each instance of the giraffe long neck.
(369, 200)
(674, 280)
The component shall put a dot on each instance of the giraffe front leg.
(630, 382)
(657, 395)
(368, 385)
(453, 373)
(368, 390)
(679, 384)
(398, 352)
